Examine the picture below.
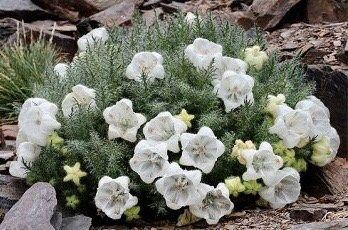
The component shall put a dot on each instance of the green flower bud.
(132, 213)
(279, 148)
(72, 201)
(55, 140)
(234, 185)
(252, 187)
(300, 165)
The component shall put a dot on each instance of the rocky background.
(316, 30)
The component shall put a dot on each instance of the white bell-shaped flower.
(37, 125)
(146, 66)
(322, 128)
(223, 64)
(215, 205)
(319, 113)
(81, 96)
(334, 139)
(181, 187)
(294, 127)
(113, 196)
(202, 52)
(123, 122)
(149, 160)
(44, 105)
(235, 89)
(98, 35)
(60, 70)
(21, 137)
(27, 153)
(283, 188)
(261, 163)
(201, 150)
(325, 148)
(165, 128)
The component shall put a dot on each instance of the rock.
(319, 11)
(57, 220)
(79, 222)
(150, 16)
(243, 18)
(119, 14)
(172, 6)
(307, 214)
(66, 44)
(4, 167)
(77, 9)
(336, 224)
(100, 5)
(10, 131)
(151, 4)
(337, 43)
(270, 13)
(34, 210)
(11, 190)
(332, 89)
(63, 8)
(6, 154)
(22, 10)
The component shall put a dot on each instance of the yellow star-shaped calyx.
(185, 117)
(74, 173)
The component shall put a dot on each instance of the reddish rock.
(243, 18)
(9, 131)
(270, 13)
(60, 7)
(100, 5)
(116, 15)
(150, 16)
(319, 11)
(65, 43)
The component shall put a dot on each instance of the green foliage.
(103, 69)
(21, 68)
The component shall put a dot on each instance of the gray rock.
(57, 220)
(79, 222)
(23, 10)
(33, 211)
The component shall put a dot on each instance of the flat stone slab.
(79, 222)
(33, 211)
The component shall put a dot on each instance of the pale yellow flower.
(321, 152)
(239, 147)
(74, 173)
(274, 102)
(255, 57)
(185, 117)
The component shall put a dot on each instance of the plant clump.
(175, 119)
